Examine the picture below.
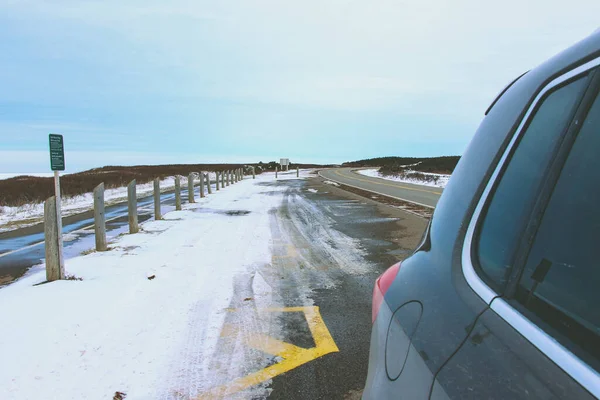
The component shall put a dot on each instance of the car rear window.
(561, 279)
(514, 196)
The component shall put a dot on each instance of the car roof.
(578, 54)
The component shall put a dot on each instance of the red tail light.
(382, 284)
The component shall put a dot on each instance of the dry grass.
(6, 279)
(407, 174)
(438, 165)
(88, 251)
(22, 190)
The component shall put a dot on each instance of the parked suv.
(501, 300)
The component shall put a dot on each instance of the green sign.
(57, 153)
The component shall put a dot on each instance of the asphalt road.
(331, 245)
(299, 325)
(422, 195)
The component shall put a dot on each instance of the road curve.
(423, 195)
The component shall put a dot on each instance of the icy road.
(260, 290)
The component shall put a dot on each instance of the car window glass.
(561, 279)
(515, 194)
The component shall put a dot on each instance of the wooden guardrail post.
(54, 270)
(275, 172)
(132, 207)
(208, 183)
(99, 218)
(222, 179)
(253, 173)
(227, 177)
(297, 172)
(157, 214)
(191, 197)
(217, 180)
(177, 193)
(201, 184)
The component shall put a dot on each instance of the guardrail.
(53, 268)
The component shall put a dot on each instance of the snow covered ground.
(441, 181)
(116, 330)
(12, 218)
(331, 183)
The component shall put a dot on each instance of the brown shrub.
(22, 190)
(406, 174)
(390, 165)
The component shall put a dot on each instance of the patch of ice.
(331, 183)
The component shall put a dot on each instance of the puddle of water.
(237, 212)
(233, 213)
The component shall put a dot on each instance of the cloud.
(138, 71)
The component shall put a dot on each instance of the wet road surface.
(305, 318)
(383, 236)
(420, 194)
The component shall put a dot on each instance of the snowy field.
(117, 330)
(12, 218)
(442, 179)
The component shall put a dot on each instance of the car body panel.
(433, 275)
(496, 362)
(416, 378)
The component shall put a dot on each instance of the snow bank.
(331, 183)
(148, 316)
(441, 182)
(91, 338)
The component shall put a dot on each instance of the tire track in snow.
(307, 254)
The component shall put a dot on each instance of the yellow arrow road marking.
(268, 345)
(387, 184)
(293, 356)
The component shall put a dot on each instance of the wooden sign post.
(57, 164)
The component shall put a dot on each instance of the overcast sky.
(143, 81)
